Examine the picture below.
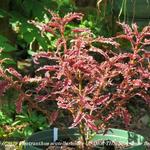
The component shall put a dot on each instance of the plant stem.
(82, 125)
(82, 132)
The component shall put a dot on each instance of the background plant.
(20, 125)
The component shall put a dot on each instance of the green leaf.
(28, 37)
(34, 118)
(3, 39)
(16, 133)
(16, 122)
(50, 4)
(41, 127)
(9, 61)
(28, 5)
(39, 9)
(3, 13)
(2, 132)
(41, 119)
(1, 114)
(28, 131)
(21, 116)
(42, 42)
(9, 120)
(1, 16)
(7, 47)
(30, 52)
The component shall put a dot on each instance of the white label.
(55, 134)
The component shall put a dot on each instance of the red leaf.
(102, 99)
(41, 86)
(1, 71)
(85, 102)
(137, 83)
(37, 56)
(108, 117)
(135, 28)
(19, 103)
(78, 64)
(59, 44)
(71, 16)
(106, 41)
(53, 116)
(144, 73)
(121, 65)
(126, 117)
(3, 86)
(79, 30)
(94, 49)
(145, 96)
(146, 42)
(48, 68)
(27, 79)
(126, 27)
(53, 24)
(147, 54)
(61, 102)
(48, 29)
(88, 117)
(62, 105)
(42, 98)
(14, 73)
(77, 119)
(92, 126)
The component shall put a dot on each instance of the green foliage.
(7, 48)
(4, 119)
(3, 13)
(20, 125)
(36, 120)
(4, 44)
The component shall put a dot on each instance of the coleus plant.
(95, 92)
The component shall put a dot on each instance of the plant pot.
(133, 11)
(124, 137)
(42, 139)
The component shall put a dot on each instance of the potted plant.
(93, 91)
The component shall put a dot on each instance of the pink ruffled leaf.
(3, 86)
(79, 30)
(92, 126)
(102, 100)
(53, 116)
(77, 120)
(48, 68)
(19, 103)
(71, 16)
(126, 117)
(13, 72)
